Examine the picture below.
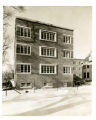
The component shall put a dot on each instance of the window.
(67, 54)
(84, 67)
(25, 85)
(87, 74)
(28, 84)
(22, 84)
(47, 35)
(47, 51)
(23, 49)
(23, 31)
(66, 70)
(84, 75)
(87, 66)
(47, 69)
(67, 39)
(25, 68)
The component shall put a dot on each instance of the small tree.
(8, 13)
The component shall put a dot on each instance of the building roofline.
(36, 21)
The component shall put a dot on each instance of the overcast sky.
(77, 18)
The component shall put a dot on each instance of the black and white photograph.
(47, 61)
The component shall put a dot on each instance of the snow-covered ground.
(64, 101)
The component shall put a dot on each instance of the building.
(87, 68)
(43, 54)
(77, 67)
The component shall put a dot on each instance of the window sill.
(23, 54)
(47, 40)
(23, 73)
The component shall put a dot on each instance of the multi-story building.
(43, 54)
(77, 67)
(87, 68)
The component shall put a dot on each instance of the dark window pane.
(29, 32)
(25, 32)
(25, 49)
(84, 75)
(87, 74)
(18, 49)
(18, 30)
(51, 52)
(29, 50)
(21, 49)
(28, 68)
(21, 31)
(22, 84)
(87, 66)
(64, 54)
(25, 68)
(64, 39)
(71, 54)
(21, 68)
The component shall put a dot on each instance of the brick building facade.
(43, 54)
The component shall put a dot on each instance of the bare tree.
(8, 13)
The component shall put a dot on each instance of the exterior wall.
(87, 70)
(77, 67)
(36, 60)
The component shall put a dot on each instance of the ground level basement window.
(47, 69)
(25, 85)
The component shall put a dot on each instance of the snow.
(62, 101)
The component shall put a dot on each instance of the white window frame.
(67, 50)
(55, 68)
(23, 46)
(55, 51)
(66, 70)
(23, 31)
(55, 38)
(24, 72)
(65, 35)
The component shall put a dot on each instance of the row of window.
(23, 31)
(47, 51)
(43, 34)
(47, 35)
(86, 75)
(44, 51)
(25, 68)
(23, 49)
(77, 68)
(44, 69)
(67, 39)
(23, 85)
(67, 54)
(85, 66)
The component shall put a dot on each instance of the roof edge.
(36, 21)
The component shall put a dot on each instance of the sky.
(78, 18)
